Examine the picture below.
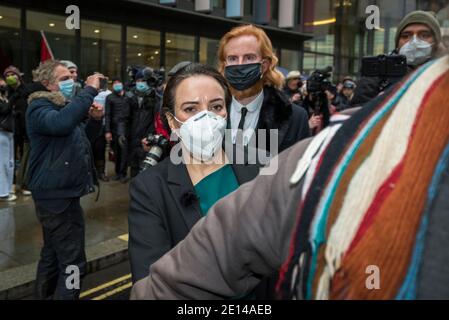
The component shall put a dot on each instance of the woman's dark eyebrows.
(189, 102)
(216, 100)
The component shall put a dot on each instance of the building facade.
(307, 34)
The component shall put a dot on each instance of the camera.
(319, 81)
(104, 84)
(384, 66)
(158, 146)
(154, 78)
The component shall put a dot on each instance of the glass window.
(61, 40)
(143, 47)
(218, 4)
(178, 48)
(290, 59)
(208, 51)
(9, 37)
(309, 62)
(379, 36)
(100, 48)
(247, 7)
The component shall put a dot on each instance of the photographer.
(418, 38)
(317, 101)
(143, 102)
(292, 88)
(61, 171)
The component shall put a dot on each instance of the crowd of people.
(54, 134)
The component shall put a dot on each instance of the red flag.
(46, 52)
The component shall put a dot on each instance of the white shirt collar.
(252, 106)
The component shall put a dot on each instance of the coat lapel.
(275, 113)
(183, 193)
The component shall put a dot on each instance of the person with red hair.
(247, 60)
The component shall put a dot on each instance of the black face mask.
(243, 76)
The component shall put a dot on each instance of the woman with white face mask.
(168, 199)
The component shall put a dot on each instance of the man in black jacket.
(143, 102)
(116, 127)
(247, 61)
(61, 171)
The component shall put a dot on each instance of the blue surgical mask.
(118, 87)
(142, 86)
(66, 88)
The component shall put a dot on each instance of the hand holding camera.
(95, 81)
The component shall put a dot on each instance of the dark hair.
(114, 79)
(192, 70)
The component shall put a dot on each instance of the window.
(100, 48)
(9, 37)
(61, 40)
(143, 47)
(178, 48)
(290, 59)
(208, 51)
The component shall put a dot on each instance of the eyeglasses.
(422, 35)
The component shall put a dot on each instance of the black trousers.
(121, 156)
(62, 264)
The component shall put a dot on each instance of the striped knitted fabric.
(367, 201)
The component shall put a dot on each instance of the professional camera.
(317, 84)
(387, 68)
(319, 81)
(159, 145)
(384, 66)
(154, 78)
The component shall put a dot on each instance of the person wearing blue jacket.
(60, 172)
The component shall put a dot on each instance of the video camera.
(319, 80)
(159, 145)
(388, 68)
(154, 78)
(384, 66)
(317, 84)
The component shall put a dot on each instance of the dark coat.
(60, 164)
(7, 122)
(141, 115)
(116, 114)
(279, 113)
(163, 209)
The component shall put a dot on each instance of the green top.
(215, 186)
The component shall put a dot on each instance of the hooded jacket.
(60, 164)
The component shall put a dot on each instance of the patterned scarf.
(368, 198)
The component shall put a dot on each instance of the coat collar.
(183, 191)
(55, 97)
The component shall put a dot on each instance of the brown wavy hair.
(272, 77)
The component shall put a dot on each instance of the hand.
(94, 80)
(332, 109)
(315, 121)
(108, 137)
(96, 111)
(122, 141)
(296, 97)
(145, 145)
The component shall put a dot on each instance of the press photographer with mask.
(418, 38)
(142, 102)
(168, 199)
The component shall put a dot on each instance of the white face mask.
(202, 134)
(417, 51)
